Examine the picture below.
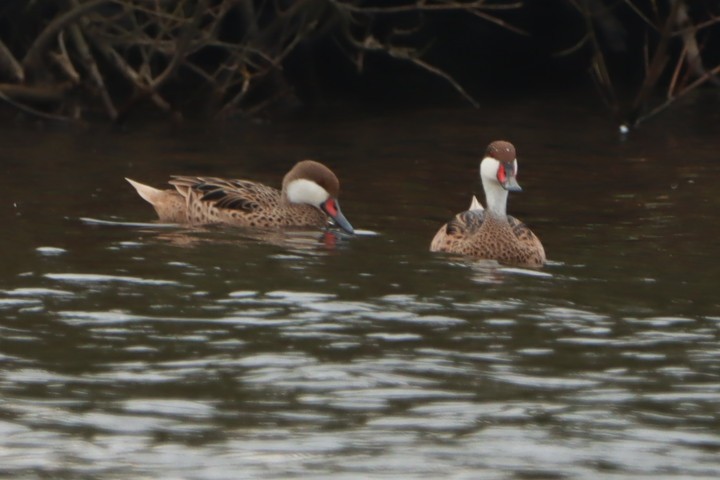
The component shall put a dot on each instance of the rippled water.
(132, 350)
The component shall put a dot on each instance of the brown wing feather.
(526, 237)
(465, 223)
(521, 231)
(228, 194)
(457, 230)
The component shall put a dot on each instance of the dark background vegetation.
(69, 60)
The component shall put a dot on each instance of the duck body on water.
(492, 234)
(307, 199)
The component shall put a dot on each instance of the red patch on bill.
(502, 178)
(331, 207)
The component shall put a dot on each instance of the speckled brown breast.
(480, 235)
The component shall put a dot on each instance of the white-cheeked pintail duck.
(308, 197)
(493, 234)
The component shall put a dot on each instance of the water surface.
(136, 351)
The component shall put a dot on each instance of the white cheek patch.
(306, 191)
(489, 168)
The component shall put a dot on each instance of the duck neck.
(496, 199)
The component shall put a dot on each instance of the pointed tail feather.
(168, 204)
(475, 204)
(150, 194)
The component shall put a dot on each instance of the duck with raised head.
(493, 234)
(309, 196)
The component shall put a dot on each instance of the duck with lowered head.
(492, 233)
(308, 197)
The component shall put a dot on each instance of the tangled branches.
(669, 47)
(208, 58)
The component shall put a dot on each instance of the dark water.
(145, 352)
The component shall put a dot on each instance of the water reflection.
(310, 240)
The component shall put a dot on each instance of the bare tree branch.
(41, 43)
(92, 68)
(9, 64)
(372, 44)
(7, 92)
